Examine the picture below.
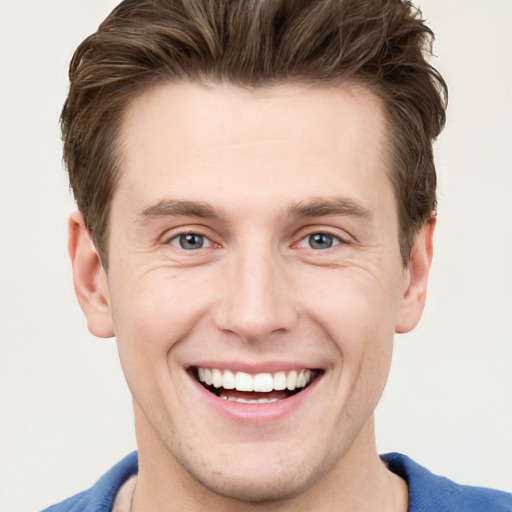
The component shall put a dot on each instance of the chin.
(258, 488)
(253, 480)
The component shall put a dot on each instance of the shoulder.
(100, 497)
(429, 492)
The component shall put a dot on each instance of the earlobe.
(415, 286)
(89, 278)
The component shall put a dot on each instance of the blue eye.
(189, 241)
(320, 241)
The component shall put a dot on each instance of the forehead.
(221, 140)
(188, 111)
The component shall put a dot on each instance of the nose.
(256, 300)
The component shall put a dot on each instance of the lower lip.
(258, 413)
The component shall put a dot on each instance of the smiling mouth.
(257, 388)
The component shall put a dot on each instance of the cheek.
(155, 313)
(355, 309)
(152, 316)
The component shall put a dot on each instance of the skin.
(256, 293)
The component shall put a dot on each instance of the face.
(255, 282)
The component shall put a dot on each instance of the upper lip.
(253, 368)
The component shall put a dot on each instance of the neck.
(358, 482)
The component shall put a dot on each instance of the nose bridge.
(256, 301)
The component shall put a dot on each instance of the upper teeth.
(260, 382)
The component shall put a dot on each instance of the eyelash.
(336, 240)
(176, 240)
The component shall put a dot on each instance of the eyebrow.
(317, 207)
(177, 208)
(321, 207)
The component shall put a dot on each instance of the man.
(256, 195)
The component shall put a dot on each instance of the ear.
(416, 278)
(90, 278)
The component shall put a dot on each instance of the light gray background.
(65, 411)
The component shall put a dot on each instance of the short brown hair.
(381, 44)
